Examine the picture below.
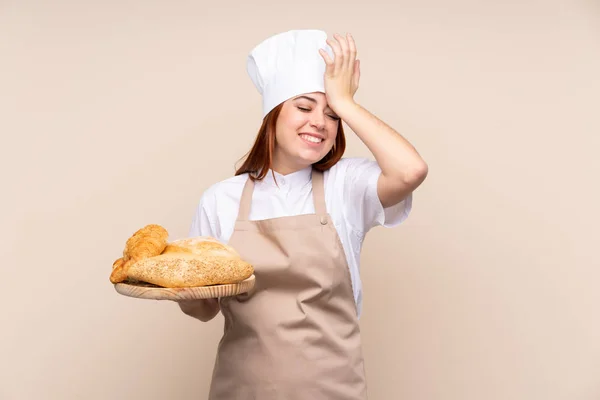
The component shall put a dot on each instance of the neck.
(285, 167)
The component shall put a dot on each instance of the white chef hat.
(288, 64)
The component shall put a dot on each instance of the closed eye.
(308, 110)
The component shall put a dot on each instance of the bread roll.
(189, 262)
(201, 245)
(146, 242)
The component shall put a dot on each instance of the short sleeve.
(202, 224)
(361, 203)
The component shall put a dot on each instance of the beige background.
(119, 114)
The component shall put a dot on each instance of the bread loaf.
(178, 270)
(189, 262)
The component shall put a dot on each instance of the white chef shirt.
(350, 197)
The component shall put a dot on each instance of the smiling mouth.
(311, 139)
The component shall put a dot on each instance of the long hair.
(259, 159)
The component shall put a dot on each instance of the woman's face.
(305, 132)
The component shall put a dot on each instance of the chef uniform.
(296, 335)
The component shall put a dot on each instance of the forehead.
(314, 97)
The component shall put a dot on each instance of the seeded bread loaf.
(198, 261)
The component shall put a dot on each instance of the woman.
(298, 212)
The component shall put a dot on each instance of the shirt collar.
(295, 179)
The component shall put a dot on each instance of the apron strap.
(246, 200)
(318, 188)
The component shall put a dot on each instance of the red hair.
(260, 157)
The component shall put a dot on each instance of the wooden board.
(145, 291)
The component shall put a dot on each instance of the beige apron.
(296, 335)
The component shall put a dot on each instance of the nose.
(317, 120)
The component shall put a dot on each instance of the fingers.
(344, 50)
(351, 50)
(343, 45)
(356, 76)
(329, 63)
(338, 54)
(326, 57)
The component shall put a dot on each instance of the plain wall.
(115, 115)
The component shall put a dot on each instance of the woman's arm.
(204, 310)
(402, 169)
